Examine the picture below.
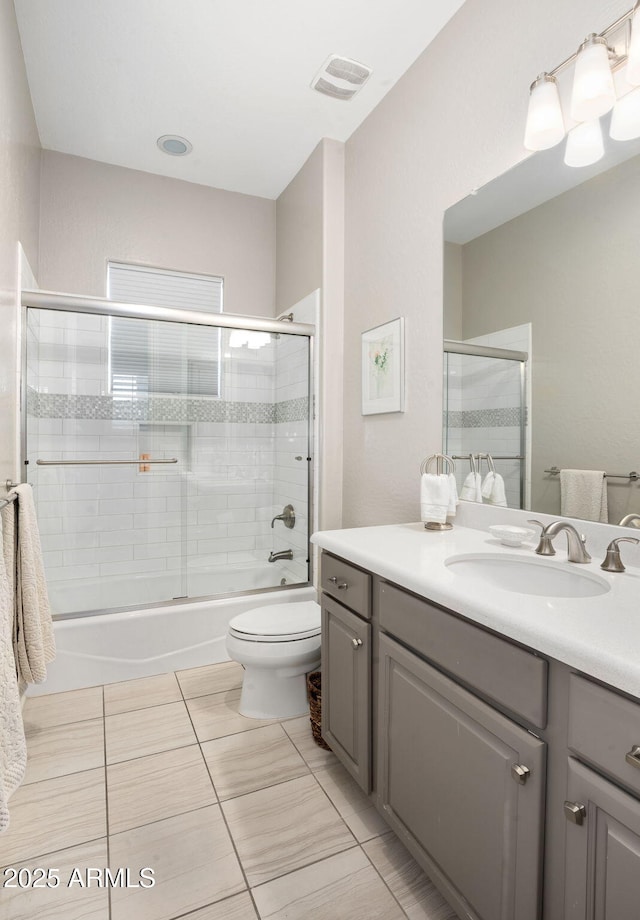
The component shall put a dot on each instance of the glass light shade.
(545, 124)
(593, 91)
(625, 118)
(633, 61)
(584, 144)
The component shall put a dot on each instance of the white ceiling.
(108, 77)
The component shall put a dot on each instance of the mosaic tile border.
(483, 418)
(164, 409)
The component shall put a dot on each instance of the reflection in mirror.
(545, 260)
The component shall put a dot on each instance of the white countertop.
(598, 635)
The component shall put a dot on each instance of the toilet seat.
(278, 623)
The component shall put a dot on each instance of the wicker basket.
(314, 690)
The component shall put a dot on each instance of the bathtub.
(105, 648)
(78, 595)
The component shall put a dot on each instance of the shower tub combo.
(159, 493)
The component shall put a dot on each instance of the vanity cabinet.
(346, 667)
(463, 785)
(602, 864)
(513, 780)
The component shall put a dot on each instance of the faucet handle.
(612, 561)
(545, 546)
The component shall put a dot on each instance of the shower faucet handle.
(288, 517)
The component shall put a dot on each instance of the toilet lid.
(278, 623)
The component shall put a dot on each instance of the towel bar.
(633, 475)
(90, 462)
(8, 500)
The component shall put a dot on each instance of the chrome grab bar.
(138, 462)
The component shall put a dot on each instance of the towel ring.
(439, 458)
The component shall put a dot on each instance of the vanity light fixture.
(593, 94)
(545, 124)
(625, 118)
(633, 55)
(584, 144)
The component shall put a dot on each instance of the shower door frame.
(98, 306)
(454, 347)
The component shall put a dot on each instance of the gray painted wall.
(299, 233)
(309, 256)
(19, 193)
(92, 212)
(452, 123)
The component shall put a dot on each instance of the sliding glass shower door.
(160, 453)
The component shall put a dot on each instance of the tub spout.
(282, 554)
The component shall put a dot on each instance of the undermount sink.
(528, 576)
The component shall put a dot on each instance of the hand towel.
(487, 484)
(583, 494)
(13, 746)
(472, 488)
(493, 491)
(33, 641)
(453, 496)
(435, 492)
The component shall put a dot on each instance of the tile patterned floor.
(239, 819)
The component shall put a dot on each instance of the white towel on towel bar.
(13, 747)
(453, 496)
(493, 491)
(33, 641)
(435, 495)
(583, 494)
(472, 488)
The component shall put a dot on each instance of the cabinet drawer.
(506, 673)
(603, 728)
(350, 585)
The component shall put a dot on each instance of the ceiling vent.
(340, 78)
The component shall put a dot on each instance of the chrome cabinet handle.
(575, 812)
(520, 773)
(356, 643)
(333, 580)
(633, 756)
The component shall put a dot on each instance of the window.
(155, 357)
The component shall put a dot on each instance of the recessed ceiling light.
(174, 145)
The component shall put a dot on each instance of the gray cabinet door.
(448, 789)
(346, 688)
(602, 878)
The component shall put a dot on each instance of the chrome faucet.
(630, 519)
(577, 551)
(282, 554)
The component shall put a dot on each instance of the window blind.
(150, 356)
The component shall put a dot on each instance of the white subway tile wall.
(483, 407)
(123, 535)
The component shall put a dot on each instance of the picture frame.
(383, 368)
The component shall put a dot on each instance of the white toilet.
(278, 646)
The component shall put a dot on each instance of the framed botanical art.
(383, 368)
